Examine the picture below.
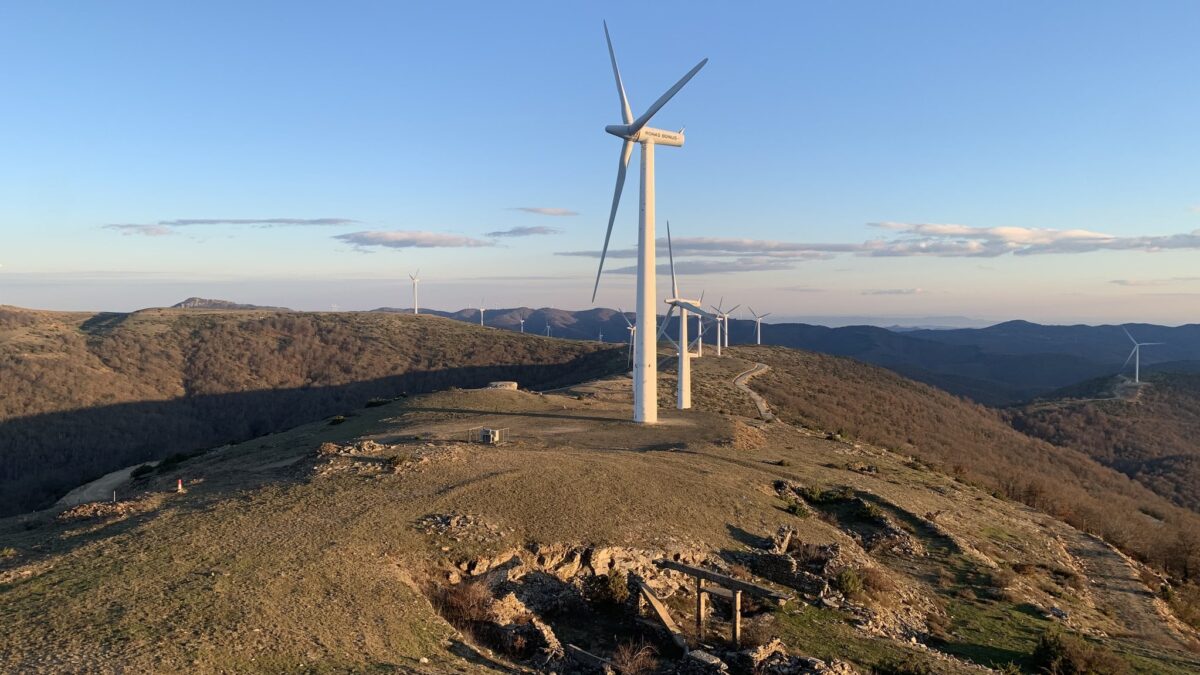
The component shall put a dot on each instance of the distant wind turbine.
(416, 279)
(481, 312)
(522, 325)
(645, 366)
(722, 317)
(683, 395)
(1136, 355)
(632, 333)
(757, 324)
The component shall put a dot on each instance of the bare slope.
(84, 394)
(319, 549)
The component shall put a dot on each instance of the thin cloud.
(409, 239)
(894, 291)
(261, 222)
(713, 266)
(128, 229)
(524, 231)
(545, 210)
(1153, 282)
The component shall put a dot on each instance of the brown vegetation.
(81, 395)
(975, 444)
(1152, 440)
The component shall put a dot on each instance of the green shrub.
(336, 420)
(798, 509)
(7, 552)
(908, 665)
(869, 511)
(849, 582)
(1058, 653)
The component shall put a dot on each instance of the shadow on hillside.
(42, 457)
(508, 413)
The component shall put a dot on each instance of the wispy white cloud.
(714, 266)
(545, 210)
(1153, 282)
(261, 222)
(164, 227)
(409, 239)
(524, 231)
(144, 230)
(894, 291)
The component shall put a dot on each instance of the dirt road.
(740, 381)
(99, 489)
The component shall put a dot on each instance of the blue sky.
(986, 159)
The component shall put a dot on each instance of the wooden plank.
(725, 580)
(701, 608)
(664, 616)
(590, 659)
(723, 593)
(737, 619)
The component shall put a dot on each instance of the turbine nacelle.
(646, 135)
(692, 306)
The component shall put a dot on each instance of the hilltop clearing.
(389, 543)
(85, 394)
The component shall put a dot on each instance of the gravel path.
(740, 381)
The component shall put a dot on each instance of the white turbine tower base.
(645, 366)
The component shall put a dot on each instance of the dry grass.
(635, 658)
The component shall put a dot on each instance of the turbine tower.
(757, 324)
(522, 326)
(1136, 355)
(645, 366)
(481, 312)
(416, 279)
(722, 317)
(683, 394)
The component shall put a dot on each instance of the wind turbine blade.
(765, 315)
(671, 254)
(1128, 335)
(612, 56)
(626, 150)
(732, 308)
(752, 312)
(662, 100)
(666, 320)
(1129, 358)
(627, 323)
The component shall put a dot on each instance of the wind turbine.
(632, 333)
(683, 395)
(757, 324)
(481, 312)
(645, 366)
(416, 279)
(1136, 355)
(722, 318)
(522, 326)
(547, 328)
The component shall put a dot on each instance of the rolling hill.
(1006, 364)
(389, 543)
(84, 394)
(1148, 433)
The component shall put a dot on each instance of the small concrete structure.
(503, 384)
(487, 435)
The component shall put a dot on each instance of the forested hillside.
(1152, 437)
(83, 394)
(976, 444)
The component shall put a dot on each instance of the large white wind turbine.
(757, 324)
(416, 279)
(645, 367)
(683, 395)
(1136, 355)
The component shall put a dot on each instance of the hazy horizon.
(846, 160)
